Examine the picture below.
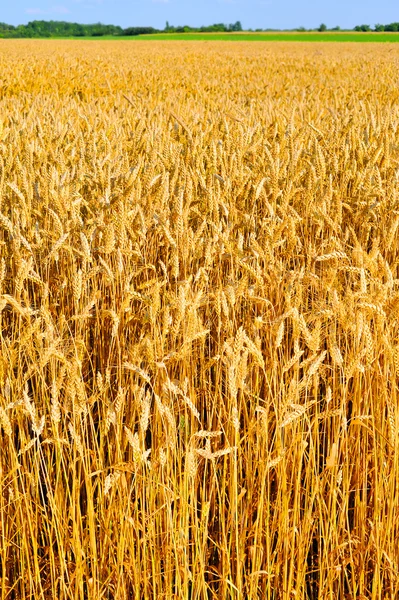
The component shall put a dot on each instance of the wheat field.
(199, 304)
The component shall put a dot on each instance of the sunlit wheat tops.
(199, 303)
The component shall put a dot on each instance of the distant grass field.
(284, 36)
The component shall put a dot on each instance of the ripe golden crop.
(199, 304)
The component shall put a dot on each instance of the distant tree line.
(48, 29)
(378, 27)
(217, 27)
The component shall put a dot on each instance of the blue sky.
(284, 14)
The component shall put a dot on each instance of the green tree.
(139, 30)
(236, 26)
(323, 27)
(392, 27)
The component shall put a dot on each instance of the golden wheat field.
(199, 304)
